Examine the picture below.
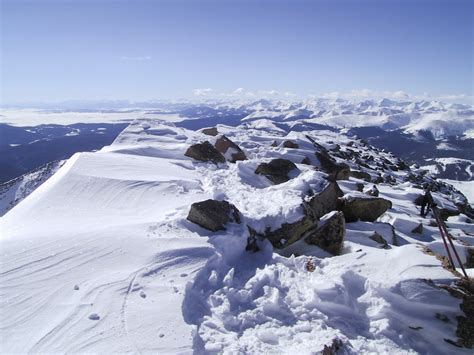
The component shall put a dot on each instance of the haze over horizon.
(61, 50)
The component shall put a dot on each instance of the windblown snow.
(101, 258)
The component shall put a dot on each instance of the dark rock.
(469, 258)
(418, 229)
(329, 235)
(335, 348)
(252, 245)
(210, 131)
(389, 179)
(276, 170)
(213, 215)
(325, 201)
(419, 200)
(465, 208)
(223, 144)
(378, 180)
(376, 237)
(364, 208)
(337, 171)
(274, 144)
(360, 186)
(290, 144)
(360, 175)
(205, 152)
(402, 165)
(306, 161)
(289, 233)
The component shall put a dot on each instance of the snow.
(466, 187)
(101, 259)
(33, 117)
(14, 191)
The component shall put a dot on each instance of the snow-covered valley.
(102, 257)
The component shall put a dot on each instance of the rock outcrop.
(276, 170)
(213, 215)
(329, 235)
(325, 201)
(337, 171)
(364, 208)
(212, 131)
(205, 152)
(229, 149)
(289, 233)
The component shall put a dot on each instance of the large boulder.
(329, 235)
(363, 207)
(325, 201)
(336, 171)
(213, 215)
(212, 131)
(229, 149)
(289, 233)
(276, 170)
(205, 152)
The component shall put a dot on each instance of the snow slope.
(14, 191)
(101, 259)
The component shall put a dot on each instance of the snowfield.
(101, 258)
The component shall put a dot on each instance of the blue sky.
(139, 50)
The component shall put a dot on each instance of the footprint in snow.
(94, 316)
(183, 275)
(76, 288)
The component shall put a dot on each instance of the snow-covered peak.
(102, 258)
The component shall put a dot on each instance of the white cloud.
(400, 94)
(202, 92)
(365, 94)
(359, 94)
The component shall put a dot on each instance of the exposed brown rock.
(364, 208)
(213, 215)
(276, 170)
(205, 152)
(376, 237)
(337, 171)
(329, 235)
(229, 149)
(210, 131)
(289, 233)
(325, 201)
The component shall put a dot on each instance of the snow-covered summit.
(101, 258)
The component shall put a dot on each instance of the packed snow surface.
(101, 259)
